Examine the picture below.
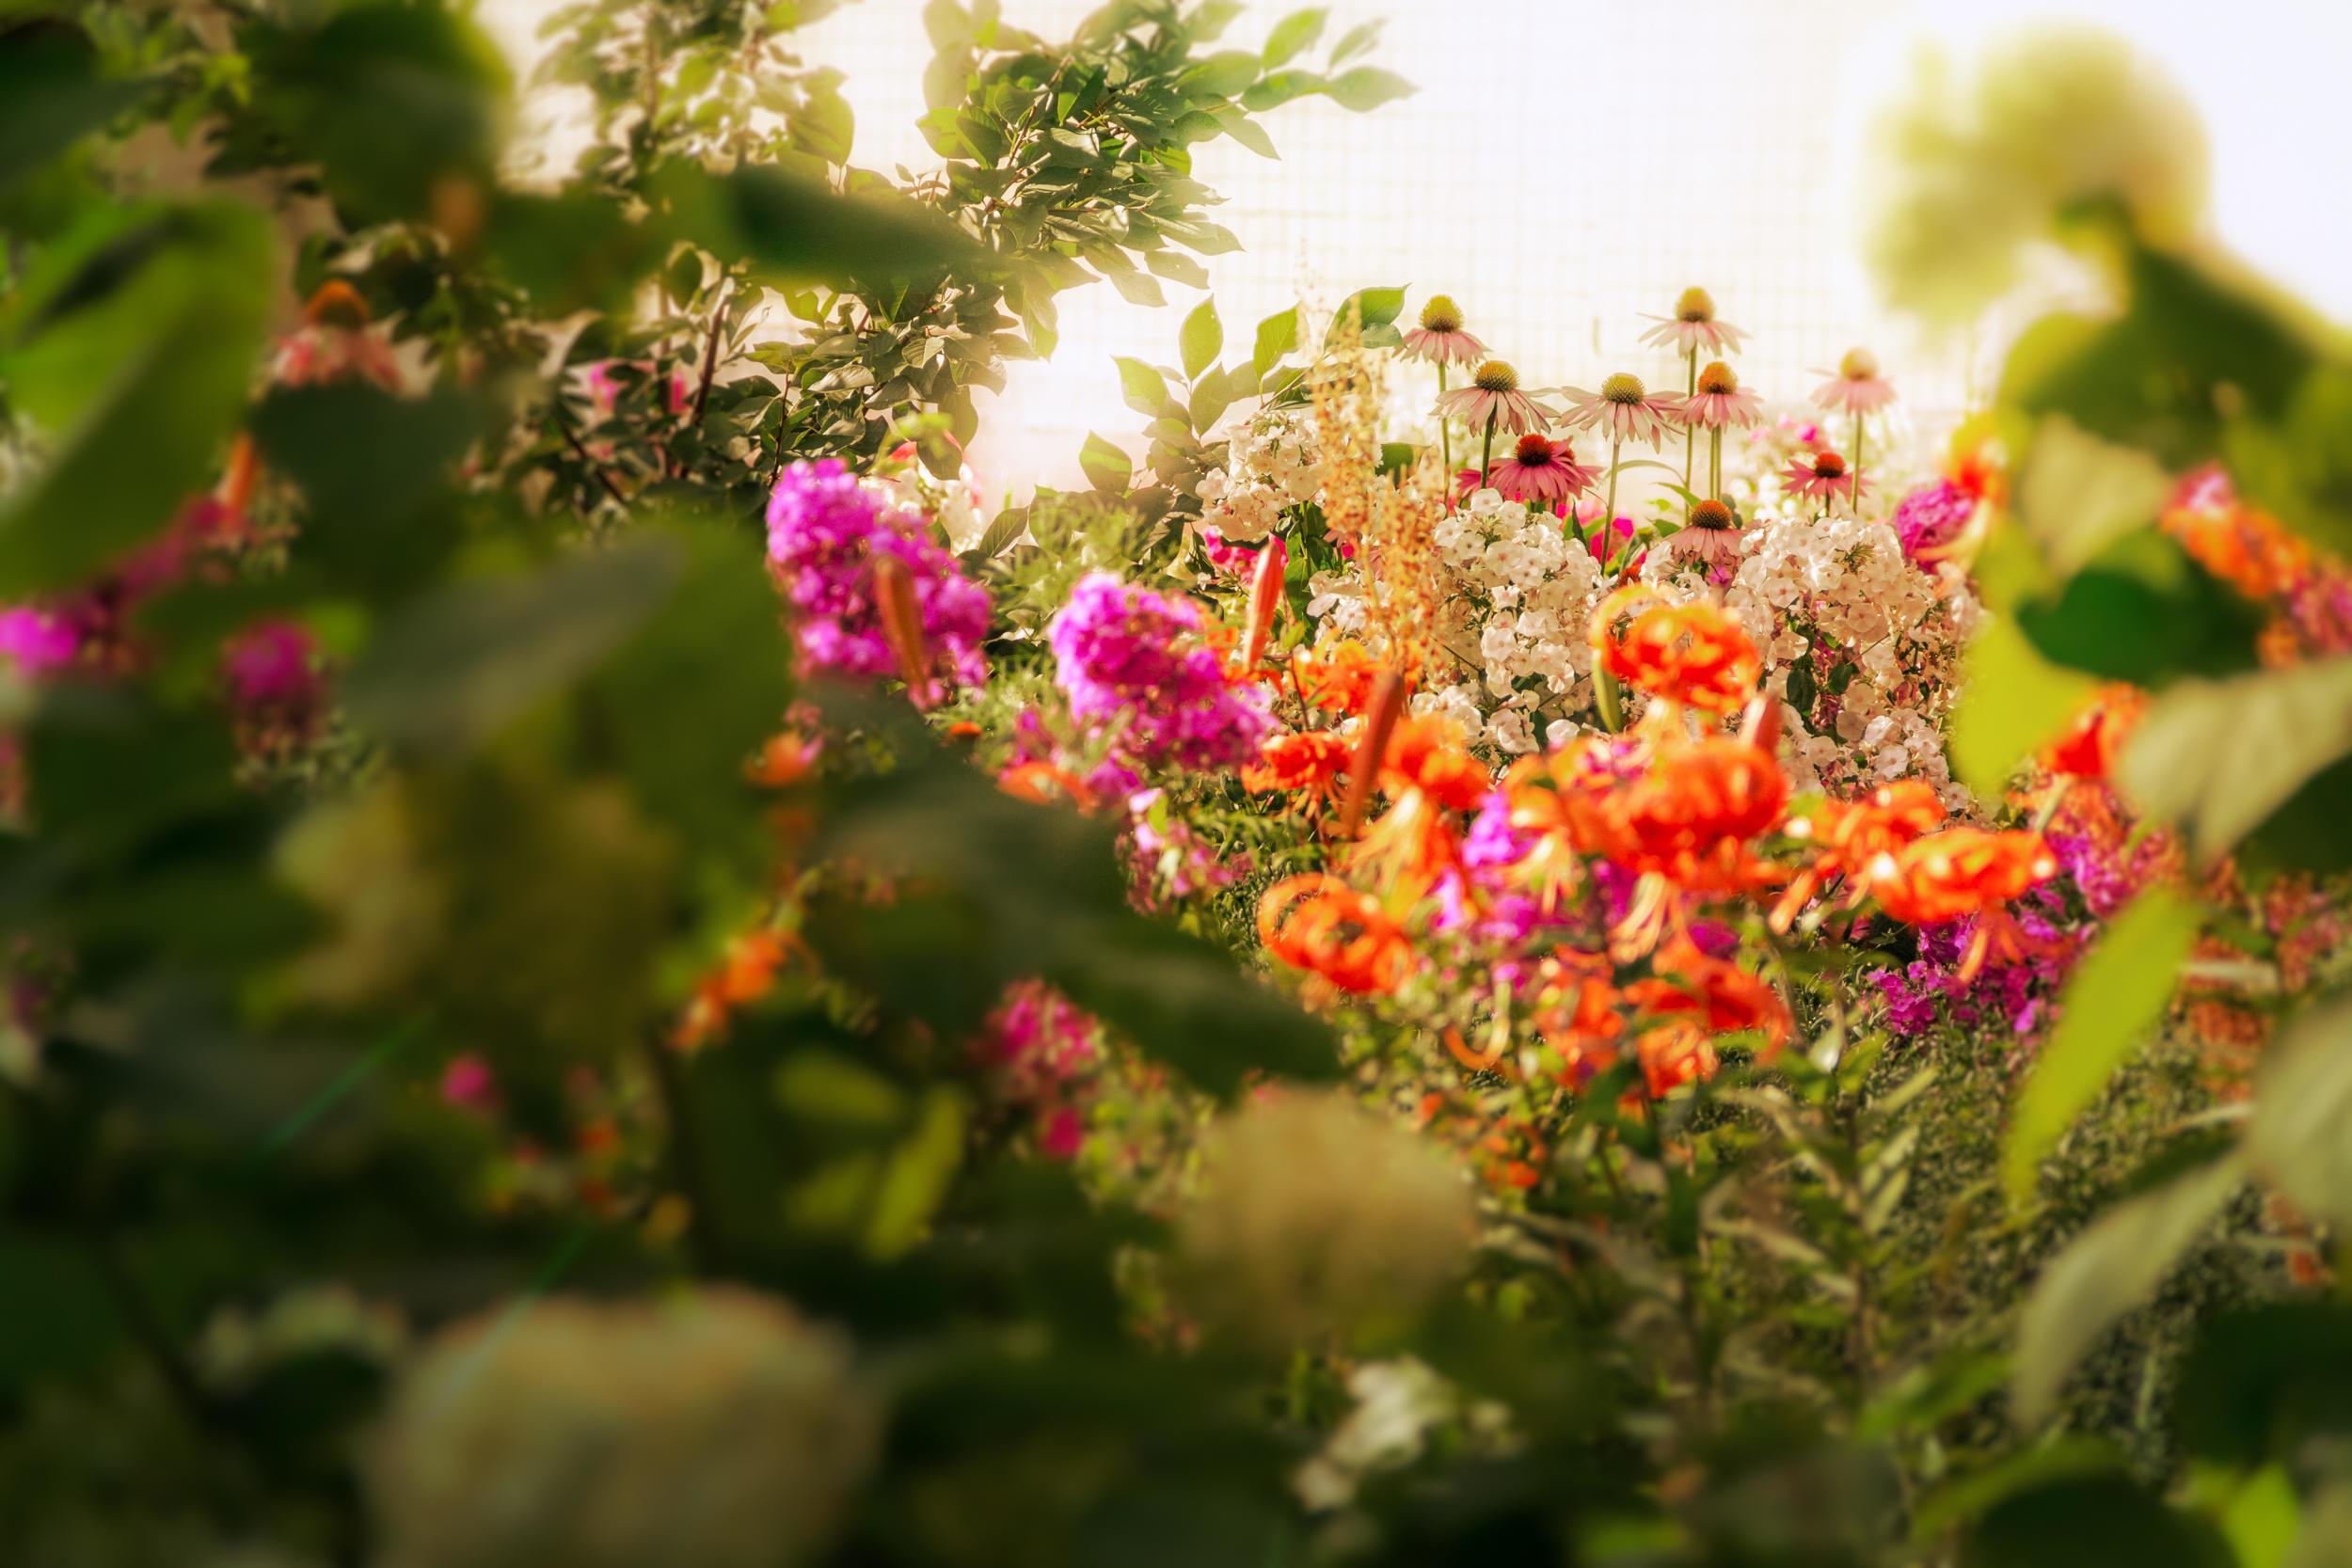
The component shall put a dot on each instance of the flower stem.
(1487, 453)
(1445, 426)
(1609, 520)
(1715, 463)
(1857, 460)
(1690, 435)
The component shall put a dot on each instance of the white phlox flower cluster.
(1273, 462)
(1863, 645)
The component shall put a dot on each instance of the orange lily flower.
(1338, 675)
(1851, 834)
(2089, 747)
(1319, 923)
(1962, 872)
(1696, 655)
(1044, 784)
(1309, 759)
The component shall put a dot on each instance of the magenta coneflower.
(1439, 339)
(1693, 327)
(1821, 476)
(1623, 409)
(1541, 470)
(1856, 389)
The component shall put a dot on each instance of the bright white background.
(1568, 166)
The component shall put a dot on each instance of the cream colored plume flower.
(1968, 170)
(1316, 1215)
(717, 1430)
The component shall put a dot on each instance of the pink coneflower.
(1715, 404)
(1693, 327)
(1823, 477)
(1858, 388)
(1439, 339)
(1623, 409)
(1719, 402)
(1541, 470)
(1494, 394)
(1711, 534)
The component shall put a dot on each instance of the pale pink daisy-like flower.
(1494, 393)
(1821, 476)
(1624, 409)
(1711, 534)
(1856, 389)
(1439, 339)
(1719, 402)
(1541, 470)
(1693, 327)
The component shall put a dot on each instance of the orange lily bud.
(1388, 705)
(1265, 598)
(902, 626)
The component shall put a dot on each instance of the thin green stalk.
(1609, 520)
(1487, 452)
(1715, 463)
(1857, 459)
(1689, 435)
(1445, 426)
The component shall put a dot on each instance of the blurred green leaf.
(51, 94)
(1358, 40)
(2079, 494)
(2301, 466)
(572, 251)
(2013, 701)
(2142, 611)
(2218, 757)
(1293, 34)
(455, 668)
(2302, 1134)
(792, 229)
(2260, 1384)
(337, 90)
(2111, 1002)
(131, 341)
(2093, 1522)
(1366, 88)
(2105, 1271)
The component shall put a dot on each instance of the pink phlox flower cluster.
(824, 530)
(1131, 658)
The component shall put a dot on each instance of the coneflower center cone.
(1496, 377)
(1440, 315)
(1695, 304)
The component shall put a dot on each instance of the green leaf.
(1136, 288)
(1279, 87)
(2196, 344)
(1276, 336)
(792, 229)
(2301, 466)
(2105, 1271)
(2115, 997)
(2013, 701)
(1221, 75)
(1366, 88)
(575, 250)
(1177, 267)
(2143, 610)
(1372, 310)
(2265, 1382)
(1144, 388)
(1238, 125)
(1358, 40)
(1211, 396)
(131, 343)
(1107, 468)
(2302, 1134)
(333, 91)
(2079, 494)
(1007, 526)
(1200, 339)
(2108, 1521)
(2218, 757)
(455, 668)
(51, 94)
(1293, 34)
